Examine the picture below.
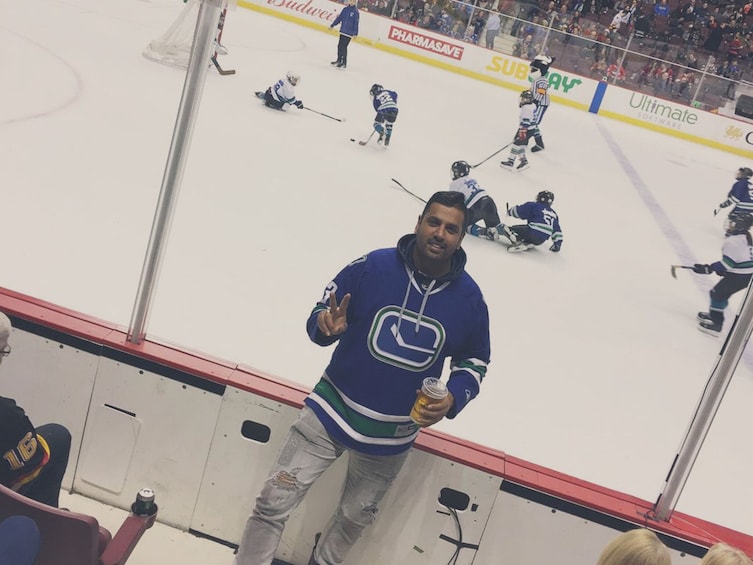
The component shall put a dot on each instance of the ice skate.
(491, 234)
(704, 317)
(519, 247)
(536, 148)
(709, 327)
(522, 166)
(507, 165)
(504, 231)
(387, 140)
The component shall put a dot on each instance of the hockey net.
(174, 46)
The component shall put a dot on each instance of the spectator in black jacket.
(32, 460)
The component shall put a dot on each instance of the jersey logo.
(396, 342)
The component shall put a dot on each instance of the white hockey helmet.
(293, 77)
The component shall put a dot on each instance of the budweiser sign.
(425, 42)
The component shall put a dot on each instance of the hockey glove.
(702, 269)
(298, 104)
(522, 134)
(722, 205)
(556, 246)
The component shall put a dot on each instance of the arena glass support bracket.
(201, 50)
(711, 398)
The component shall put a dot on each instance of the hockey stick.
(367, 139)
(416, 196)
(323, 114)
(220, 70)
(220, 27)
(490, 156)
(675, 267)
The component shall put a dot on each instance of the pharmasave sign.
(662, 113)
(425, 42)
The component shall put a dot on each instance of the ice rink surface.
(597, 365)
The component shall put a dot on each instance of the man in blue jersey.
(348, 22)
(396, 314)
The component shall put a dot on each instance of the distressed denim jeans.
(306, 453)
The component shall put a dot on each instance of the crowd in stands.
(670, 43)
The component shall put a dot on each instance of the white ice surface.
(597, 365)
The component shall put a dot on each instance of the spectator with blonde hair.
(636, 547)
(723, 554)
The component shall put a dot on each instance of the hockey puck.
(352, 139)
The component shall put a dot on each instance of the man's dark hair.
(451, 199)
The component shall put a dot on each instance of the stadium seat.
(69, 538)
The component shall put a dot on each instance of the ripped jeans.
(306, 453)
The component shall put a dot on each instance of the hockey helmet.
(545, 197)
(739, 222)
(376, 89)
(540, 65)
(526, 97)
(293, 77)
(460, 169)
(744, 173)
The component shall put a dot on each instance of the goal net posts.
(173, 47)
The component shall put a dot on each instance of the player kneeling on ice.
(281, 95)
(385, 104)
(479, 203)
(526, 125)
(735, 268)
(542, 223)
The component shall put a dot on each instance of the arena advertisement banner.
(638, 108)
(676, 119)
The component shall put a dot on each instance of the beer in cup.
(432, 390)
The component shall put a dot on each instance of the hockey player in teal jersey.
(396, 315)
(540, 91)
(526, 125)
(735, 268)
(481, 206)
(281, 95)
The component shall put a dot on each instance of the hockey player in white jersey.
(281, 95)
(480, 205)
(540, 90)
(735, 268)
(527, 121)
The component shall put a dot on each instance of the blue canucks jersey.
(401, 328)
(741, 196)
(386, 101)
(542, 220)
